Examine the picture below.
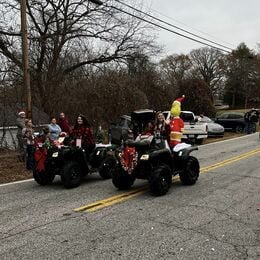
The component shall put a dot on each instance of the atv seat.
(138, 143)
(161, 152)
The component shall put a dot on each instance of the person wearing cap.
(176, 123)
(20, 123)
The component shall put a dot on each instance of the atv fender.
(185, 153)
(162, 156)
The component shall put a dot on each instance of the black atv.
(71, 163)
(149, 157)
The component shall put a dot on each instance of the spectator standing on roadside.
(251, 118)
(54, 128)
(63, 122)
(20, 123)
(28, 140)
(100, 136)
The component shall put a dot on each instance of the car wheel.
(190, 172)
(199, 141)
(71, 175)
(43, 177)
(160, 180)
(121, 179)
(239, 129)
(106, 167)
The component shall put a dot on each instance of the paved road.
(218, 218)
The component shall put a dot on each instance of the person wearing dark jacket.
(161, 126)
(82, 135)
(28, 138)
(251, 118)
(63, 122)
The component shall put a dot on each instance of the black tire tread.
(158, 186)
(43, 178)
(121, 179)
(66, 175)
(190, 174)
(104, 170)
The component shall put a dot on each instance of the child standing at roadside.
(27, 133)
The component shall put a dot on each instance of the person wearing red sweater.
(82, 134)
(63, 122)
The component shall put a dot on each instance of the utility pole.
(26, 70)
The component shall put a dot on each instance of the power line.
(174, 26)
(168, 17)
(167, 29)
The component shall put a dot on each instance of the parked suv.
(119, 130)
(232, 121)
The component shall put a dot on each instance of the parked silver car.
(214, 129)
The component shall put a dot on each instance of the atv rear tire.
(43, 177)
(121, 179)
(106, 167)
(71, 175)
(190, 173)
(160, 180)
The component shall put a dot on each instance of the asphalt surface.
(217, 218)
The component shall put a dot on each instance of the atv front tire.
(121, 179)
(190, 173)
(43, 177)
(106, 167)
(71, 175)
(160, 180)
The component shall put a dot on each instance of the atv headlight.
(145, 157)
(180, 153)
(55, 154)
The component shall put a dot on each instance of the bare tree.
(207, 63)
(66, 35)
(174, 69)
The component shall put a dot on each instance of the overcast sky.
(228, 22)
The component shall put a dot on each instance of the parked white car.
(214, 129)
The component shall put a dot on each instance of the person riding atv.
(150, 157)
(69, 161)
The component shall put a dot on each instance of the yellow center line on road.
(136, 192)
(230, 160)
